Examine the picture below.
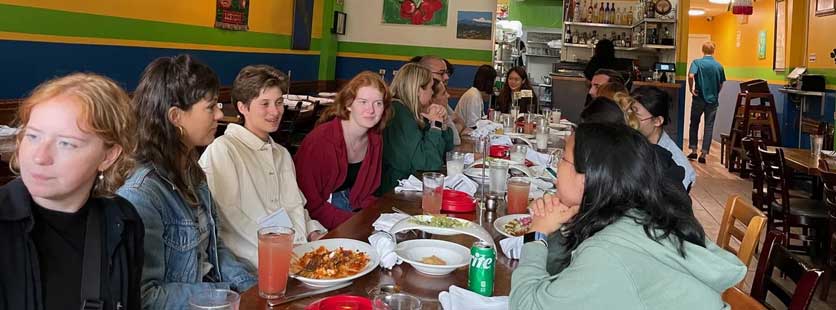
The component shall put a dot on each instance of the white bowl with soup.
(433, 257)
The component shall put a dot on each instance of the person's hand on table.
(548, 214)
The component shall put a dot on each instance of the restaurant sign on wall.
(232, 14)
(415, 12)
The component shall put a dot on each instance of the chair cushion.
(803, 207)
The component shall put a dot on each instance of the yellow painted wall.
(724, 28)
(821, 39)
(267, 16)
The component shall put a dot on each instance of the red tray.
(457, 201)
(341, 302)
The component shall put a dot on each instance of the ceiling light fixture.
(696, 12)
(720, 1)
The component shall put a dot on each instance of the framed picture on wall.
(825, 7)
(779, 51)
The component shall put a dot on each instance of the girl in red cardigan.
(338, 166)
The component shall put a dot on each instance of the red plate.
(341, 302)
(457, 201)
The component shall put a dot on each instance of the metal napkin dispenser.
(812, 82)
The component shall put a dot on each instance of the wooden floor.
(713, 186)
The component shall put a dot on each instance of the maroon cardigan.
(321, 167)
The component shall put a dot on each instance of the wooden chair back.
(775, 255)
(738, 300)
(738, 210)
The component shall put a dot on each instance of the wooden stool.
(754, 116)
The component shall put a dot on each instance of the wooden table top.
(426, 288)
(802, 161)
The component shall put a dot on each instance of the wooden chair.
(738, 210)
(751, 145)
(738, 300)
(786, 212)
(773, 255)
(828, 179)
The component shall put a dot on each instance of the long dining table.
(424, 287)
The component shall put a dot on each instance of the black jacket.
(20, 279)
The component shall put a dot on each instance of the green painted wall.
(328, 43)
(537, 13)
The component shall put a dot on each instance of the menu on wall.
(779, 63)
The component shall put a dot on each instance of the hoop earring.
(181, 131)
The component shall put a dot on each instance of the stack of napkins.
(461, 299)
(484, 128)
(458, 182)
(387, 220)
(511, 247)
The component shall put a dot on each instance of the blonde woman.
(417, 137)
(73, 151)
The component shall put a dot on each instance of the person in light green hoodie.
(417, 137)
(618, 236)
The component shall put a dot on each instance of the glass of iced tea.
(433, 190)
(518, 195)
(275, 247)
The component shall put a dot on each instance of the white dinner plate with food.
(328, 262)
(512, 225)
(442, 225)
(433, 257)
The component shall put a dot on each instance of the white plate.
(499, 224)
(472, 229)
(475, 174)
(560, 126)
(412, 251)
(519, 135)
(333, 244)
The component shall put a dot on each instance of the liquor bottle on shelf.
(618, 20)
(650, 9)
(606, 16)
(590, 16)
(568, 38)
(630, 16)
(601, 13)
(578, 11)
(625, 40)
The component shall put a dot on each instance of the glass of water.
(498, 177)
(455, 163)
(518, 153)
(215, 299)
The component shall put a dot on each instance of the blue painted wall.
(348, 67)
(27, 64)
(787, 113)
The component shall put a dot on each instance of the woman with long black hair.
(617, 235)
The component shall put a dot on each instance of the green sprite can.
(482, 264)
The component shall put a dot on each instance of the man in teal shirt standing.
(705, 79)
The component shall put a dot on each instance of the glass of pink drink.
(275, 247)
(518, 195)
(433, 190)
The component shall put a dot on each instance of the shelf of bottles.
(631, 26)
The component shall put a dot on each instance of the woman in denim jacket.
(177, 111)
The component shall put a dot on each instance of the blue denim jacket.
(171, 270)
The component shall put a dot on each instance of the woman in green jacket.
(417, 137)
(618, 236)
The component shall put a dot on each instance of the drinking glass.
(518, 195)
(214, 299)
(455, 163)
(541, 137)
(275, 247)
(433, 189)
(816, 142)
(397, 301)
(556, 116)
(498, 176)
(518, 153)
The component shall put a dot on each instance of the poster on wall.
(474, 25)
(825, 7)
(232, 14)
(762, 44)
(415, 12)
